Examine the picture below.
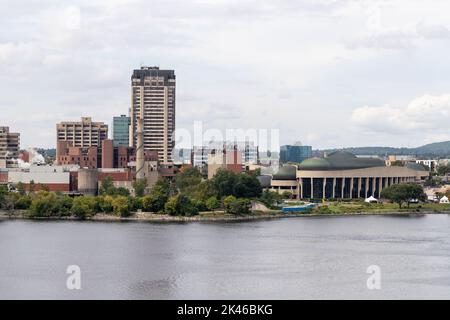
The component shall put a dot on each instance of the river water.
(293, 258)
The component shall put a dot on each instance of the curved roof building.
(340, 160)
(343, 175)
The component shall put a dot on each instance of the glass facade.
(295, 154)
(121, 131)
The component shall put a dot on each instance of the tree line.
(186, 195)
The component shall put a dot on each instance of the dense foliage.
(404, 193)
(188, 194)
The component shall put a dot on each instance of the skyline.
(238, 65)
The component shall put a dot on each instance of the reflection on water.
(299, 258)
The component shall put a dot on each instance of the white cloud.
(422, 116)
(286, 64)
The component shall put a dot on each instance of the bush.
(105, 203)
(212, 203)
(139, 187)
(62, 205)
(150, 203)
(137, 203)
(158, 196)
(237, 206)
(43, 204)
(84, 207)
(121, 206)
(23, 203)
(180, 205)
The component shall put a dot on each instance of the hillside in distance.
(433, 150)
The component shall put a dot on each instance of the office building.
(9, 148)
(295, 153)
(84, 134)
(121, 131)
(153, 100)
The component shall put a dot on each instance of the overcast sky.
(327, 73)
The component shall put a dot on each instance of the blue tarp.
(298, 208)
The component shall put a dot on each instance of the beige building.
(153, 100)
(228, 160)
(341, 175)
(85, 133)
(9, 147)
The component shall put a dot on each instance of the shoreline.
(209, 217)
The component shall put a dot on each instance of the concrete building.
(83, 134)
(85, 157)
(295, 153)
(153, 100)
(199, 156)
(400, 159)
(341, 175)
(54, 178)
(121, 131)
(431, 164)
(9, 148)
(229, 160)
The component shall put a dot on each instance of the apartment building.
(153, 100)
(9, 147)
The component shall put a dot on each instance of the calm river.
(295, 258)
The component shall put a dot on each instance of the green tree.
(270, 198)
(443, 170)
(121, 191)
(159, 195)
(401, 193)
(43, 204)
(240, 185)
(23, 202)
(247, 186)
(121, 206)
(3, 194)
(224, 182)
(105, 203)
(139, 187)
(212, 203)
(32, 186)
(21, 188)
(287, 195)
(237, 206)
(107, 187)
(189, 178)
(84, 207)
(180, 205)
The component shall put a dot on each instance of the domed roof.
(340, 160)
(286, 173)
(314, 164)
(415, 166)
(265, 181)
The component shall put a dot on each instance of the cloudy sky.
(330, 73)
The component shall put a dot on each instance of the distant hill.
(438, 149)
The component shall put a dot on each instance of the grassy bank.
(343, 208)
(331, 209)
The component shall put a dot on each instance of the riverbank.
(217, 216)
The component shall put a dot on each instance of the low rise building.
(52, 178)
(229, 160)
(341, 175)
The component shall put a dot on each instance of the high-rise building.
(82, 135)
(9, 147)
(153, 100)
(295, 153)
(121, 131)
